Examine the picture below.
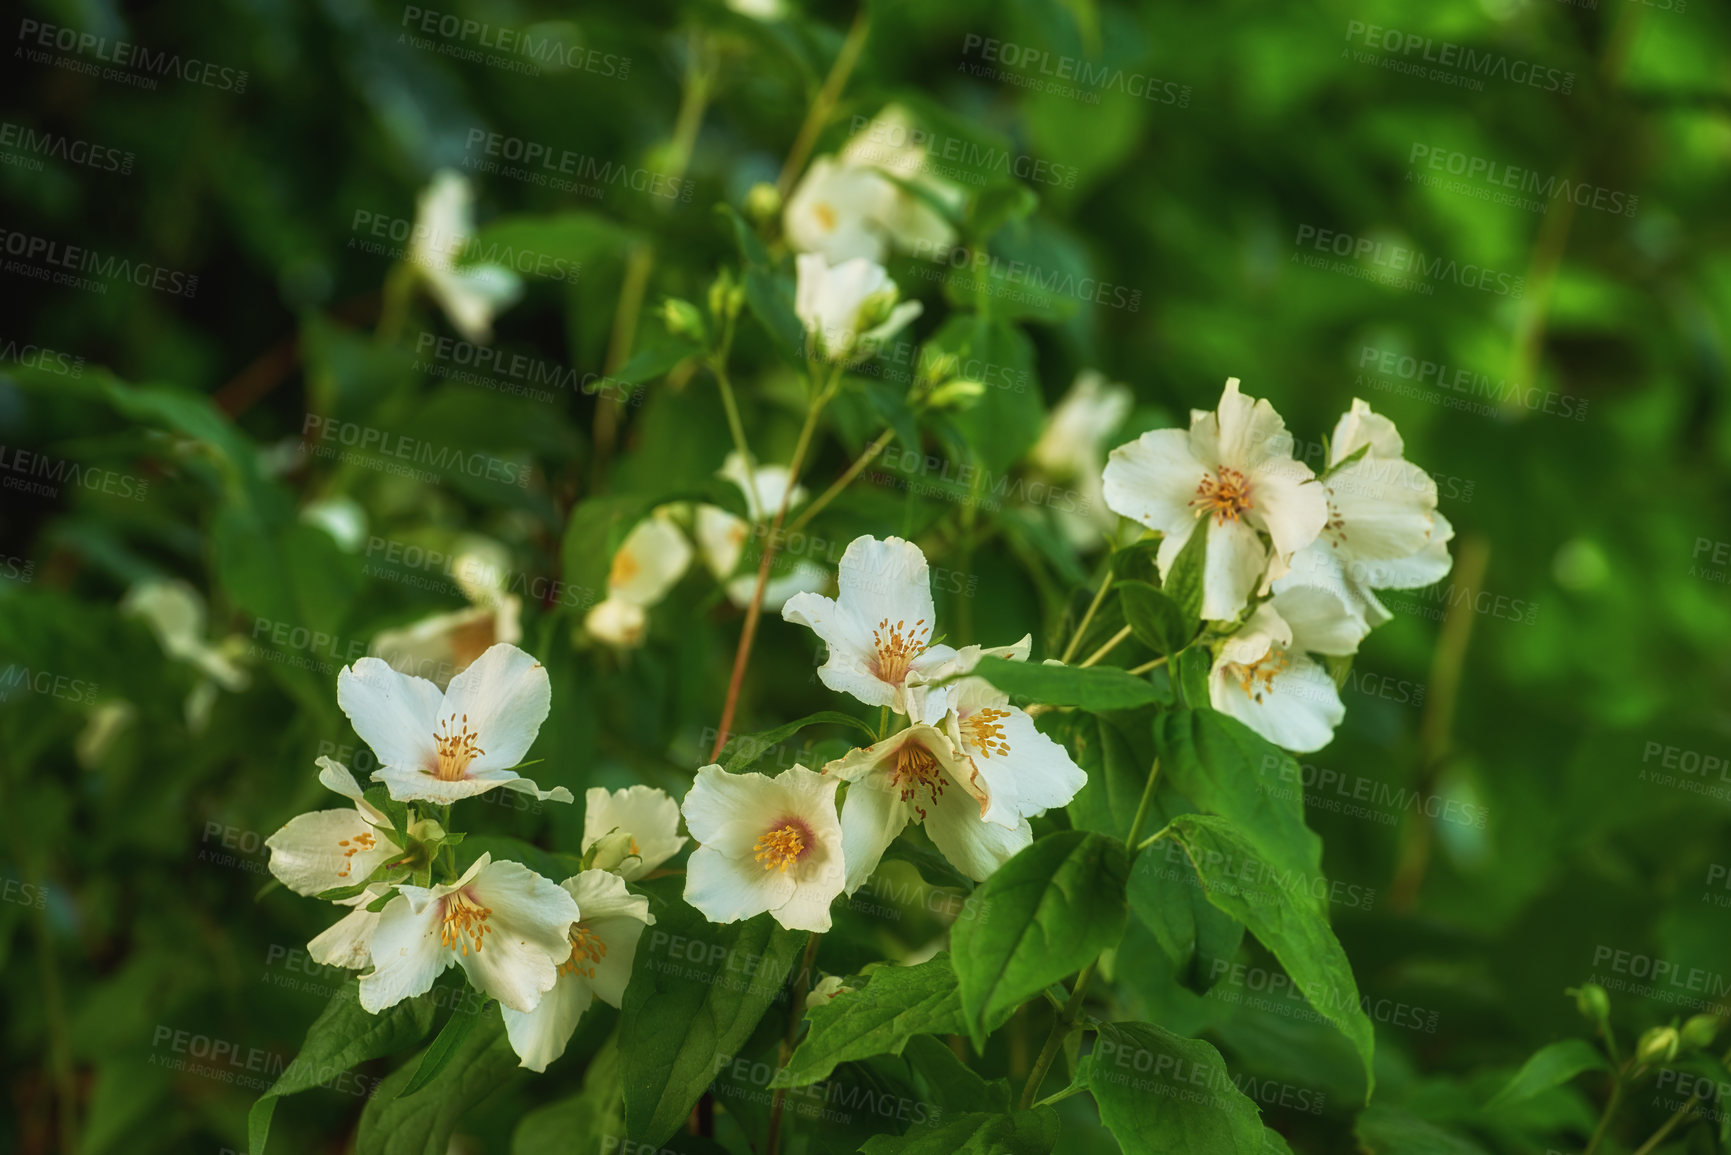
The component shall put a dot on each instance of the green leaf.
(1184, 580)
(549, 246)
(879, 1018)
(1157, 621)
(1552, 1066)
(1384, 1130)
(397, 1124)
(580, 1122)
(1167, 898)
(744, 749)
(697, 992)
(1113, 750)
(1285, 907)
(1160, 1093)
(343, 1036)
(1045, 914)
(1019, 1133)
(450, 1039)
(1003, 424)
(1095, 688)
(596, 530)
(1189, 672)
(770, 298)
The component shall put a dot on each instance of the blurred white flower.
(471, 295)
(834, 212)
(637, 829)
(438, 746)
(721, 536)
(342, 518)
(1234, 467)
(443, 645)
(849, 309)
(1072, 449)
(652, 558)
(175, 612)
(764, 844)
(505, 925)
(1265, 677)
(603, 945)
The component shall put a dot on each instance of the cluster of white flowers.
(967, 765)
(655, 555)
(544, 950)
(1292, 558)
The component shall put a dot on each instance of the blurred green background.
(1559, 363)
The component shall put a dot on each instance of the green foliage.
(880, 1018)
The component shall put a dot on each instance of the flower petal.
(324, 849)
(1025, 772)
(393, 713)
(407, 955)
(872, 814)
(1298, 709)
(541, 1035)
(1153, 480)
(505, 695)
(528, 934)
(347, 942)
(726, 889)
(974, 846)
(617, 917)
(335, 776)
(649, 816)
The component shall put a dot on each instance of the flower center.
(825, 215)
(1256, 678)
(587, 949)
(352, 847)
(984, 729)
(784, 844)
(1335, 527)
(456, 748)
(625, 567)
(1224, 493)
(917, 768)
(897, 647)
(465, 923)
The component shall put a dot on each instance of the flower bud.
(956, 394)
(762, 203)
(1593, 1003)
(721, 297)
(1658, 1045)
(1700, 1030)
(682, 317)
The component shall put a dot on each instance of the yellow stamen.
(1225, 494)
(465, 924)
(625, 567)
(1256, 678)
(917, 768)
(587, 949)
(362, 841)
(456, 748)
(897, 647)
(783, 845)
(984, 730)
(825, 215)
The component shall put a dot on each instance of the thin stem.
(742, 655)
(1111, 644)
(795, 1013)
(1055, 1040)
(1082, 628)
(735, 427)
(1146, 666)
(1142, 807)
(394, 310)
(1605, 1119)
(842, 482)
(824, 103)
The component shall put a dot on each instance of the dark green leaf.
(450, 1040)
(1094, 688)
(1553, 1065)
(1161, 1093)
(896, 1004)
(1157, 621)
(395, 1124)
(1020, 1133)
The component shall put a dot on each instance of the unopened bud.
(1593, 1003)
(1658, 1045)
(1700, 1030)
(612, 850)
(956, 394)
(682, 317)
(762, 203)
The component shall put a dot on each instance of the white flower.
(1264, 675)
(175, 613)
(721, 536)
(850, 309)
(342, 518)
(764, 844)
(603, 945)
(326, 849)
(1383, 530)
(441, 747)
(505, 925)
(444, 645)
(890, 145)
(759, 9)
(1072, 448)
(444, 225)
(652, 558)
(827, 988)
(879, 629)
(646, 818)
(348, 942)
(919, 775)
(1235, 467)
(835, 211)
